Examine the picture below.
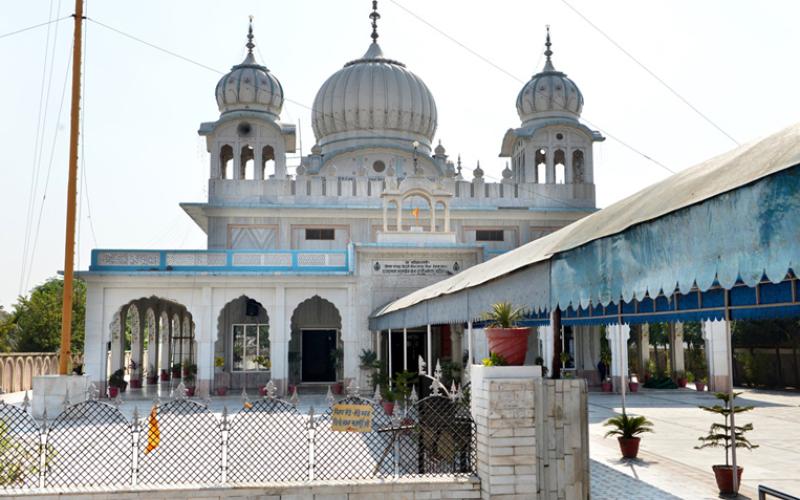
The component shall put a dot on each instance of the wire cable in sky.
(651, 73)
(4, 35)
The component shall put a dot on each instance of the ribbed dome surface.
(374, 93)
(549, 93)
(250, 86)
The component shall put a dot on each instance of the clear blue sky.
(734, 60)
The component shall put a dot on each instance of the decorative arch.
(243, 343)
(316, 322)
(560, 163)
(540, 166)
(226, 162)
(267, 162)
(578, 167)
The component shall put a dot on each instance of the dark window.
(489, 235)
(320, 234)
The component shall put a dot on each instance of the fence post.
(396, 422)
(135, 434)
(311, 437)
(224, 436)
(42, 447)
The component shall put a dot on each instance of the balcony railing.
(278, 261)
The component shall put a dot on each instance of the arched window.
(226, 162)
(267, 162)
(541, 166)
(578, 172)
(416, 213)
(560, 160)
(248, 163)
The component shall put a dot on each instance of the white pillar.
(118, 340)
(676, 350)
(94, 343)
(430, 351)
(405, 349)
(546, 339)
(469, 342)
(617, 336)
(391, 372)
(279, 334)
(714, 333)
(205, 335)
(644, 349)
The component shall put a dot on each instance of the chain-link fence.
(181, 442)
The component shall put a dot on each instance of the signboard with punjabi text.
(416, 267)
(351, 418)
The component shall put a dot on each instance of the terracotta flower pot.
(136, 383)
(388, 407)
(152, 380)
(190, 392)
(164, 376)
(682, 382)
(337, 388)
(607, 386)
(724, 476)
(262, 390)
(629, 446)
(221, 391)
(113, 392)
(700, 386)
(511, 343)
(634, 386)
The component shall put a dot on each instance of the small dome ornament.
(249, 85)
(507, 172)
(439, 150)
(549, 93)
(478, 172)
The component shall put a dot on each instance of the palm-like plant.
(719, 435)
(504, 315)
(628, 427)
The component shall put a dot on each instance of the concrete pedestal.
(50, 391)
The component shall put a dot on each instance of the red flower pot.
(607, 386)
(629, 446)
(136, 383)
(682, 382)
(511, 343)
(700, 386)
(221, 391)
(634, 386)
(724, 476)
(164, 376)
(113, 392)
(262, 390)
(388, 407)
(152, 380)
(337, 388)
(190, 392)
(290, 389)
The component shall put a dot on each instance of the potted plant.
(607, 385)
(505, 338)
(368, 361)
(700, 385)
(116, 383)
(164, 375)
(190, 377)
(219, 365)
(152, 376)
(176, 370)
(633, 385)
(628, 429)
(494, 359)
(389, 398)
(719, 435)
(136, 377)
(337, 358)
(683, 379)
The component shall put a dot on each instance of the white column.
(676, 351)
(405, 349)
(469, 343)
(644, 349)
(166, 332)
(94, 343)
(118, 340)
(391, 372)
(279, 334)
(714, 333)
(430, 351)
(617, 336)
(379, 344)
(546, 339)
(205, 335)
(258, 170)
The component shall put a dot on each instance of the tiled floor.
(610, 484)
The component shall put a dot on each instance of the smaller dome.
(549, 93)
(250, 86)
(507, 172)
(478, 172)
(439, 150)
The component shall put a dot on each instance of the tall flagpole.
(72, 181)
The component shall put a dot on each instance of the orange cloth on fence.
(153, 432)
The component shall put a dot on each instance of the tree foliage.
(34, 323)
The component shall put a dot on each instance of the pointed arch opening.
(242, 349)
(560, 161)
(316, 353)
(226, 162)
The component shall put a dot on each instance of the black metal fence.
(181, 442)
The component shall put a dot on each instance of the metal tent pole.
(729, 346)
(391, 372)
(405, 349)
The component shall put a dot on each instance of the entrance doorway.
(318, 346)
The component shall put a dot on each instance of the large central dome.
(374, 97)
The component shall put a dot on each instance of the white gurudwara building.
(295, 264)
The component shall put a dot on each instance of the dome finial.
(250, 45)
(548, 65)
(374, 16)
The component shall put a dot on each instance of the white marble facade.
(373, 212)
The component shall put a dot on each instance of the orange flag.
(153, 432)
(415, 213)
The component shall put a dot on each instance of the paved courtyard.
(667, 460)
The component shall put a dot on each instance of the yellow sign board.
(351, 418)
